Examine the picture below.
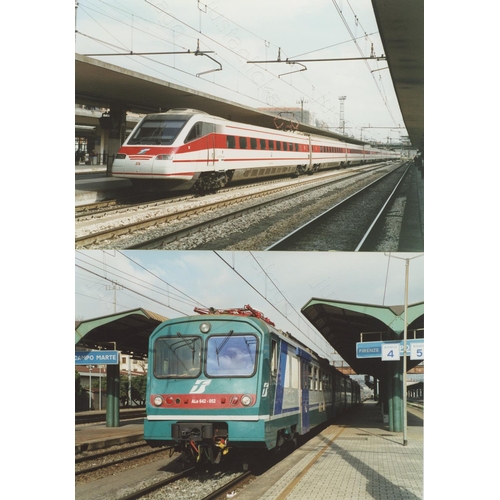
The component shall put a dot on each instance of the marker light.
(246, 400)
(205, 327)
(158, 400)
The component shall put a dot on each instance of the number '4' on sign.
(390, 352)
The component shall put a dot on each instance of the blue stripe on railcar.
(280, 383)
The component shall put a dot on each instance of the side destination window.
(200, 129)
(195, 132)
(274, 358)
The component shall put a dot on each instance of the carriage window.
(231, 142)
(243, 142)
(177, 357)
(262, 144)
(278, 145)
(253, 143)
(271, 144)
(231, 355)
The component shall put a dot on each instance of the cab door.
(208, 131)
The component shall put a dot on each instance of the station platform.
(89, 437)
(98, 188)
(356, 458)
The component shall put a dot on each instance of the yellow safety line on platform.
(292, 485)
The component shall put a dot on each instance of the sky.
(279, 284)
(234, 33)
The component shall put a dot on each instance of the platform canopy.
(344, 324)
(127, 332)
(401, 27)
(101, 84)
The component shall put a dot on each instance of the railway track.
(161, 476)
(353, 224)
(131, 458)
(131, 453)
(172, 481)
(124, 232)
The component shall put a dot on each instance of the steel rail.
(154, 221)
(193, 228)
(381, 212)
(156, 486)
(330, 211)
(119, 461)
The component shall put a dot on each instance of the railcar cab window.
(177, 357)
(200, 129)
(231, 355)
(157, 130)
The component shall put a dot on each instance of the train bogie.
(226, 381)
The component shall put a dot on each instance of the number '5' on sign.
(390, 352)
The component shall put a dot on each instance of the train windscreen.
(177, 357)
(157, 131)
(231, 356)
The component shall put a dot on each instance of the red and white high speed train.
(204, 152)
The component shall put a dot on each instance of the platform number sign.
(417, 351)
(390, 351)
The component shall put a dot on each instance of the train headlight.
(158, 400)
(205, 327)
(246, 400)
(121, 156)
(164, 157)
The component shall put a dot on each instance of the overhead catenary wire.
(134, 291)
(266, 90)
(199, 74)
(270, 303)
(181, 297)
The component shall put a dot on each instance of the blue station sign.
(97, 357)
(374, 349)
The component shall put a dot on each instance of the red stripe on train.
(201, 401)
